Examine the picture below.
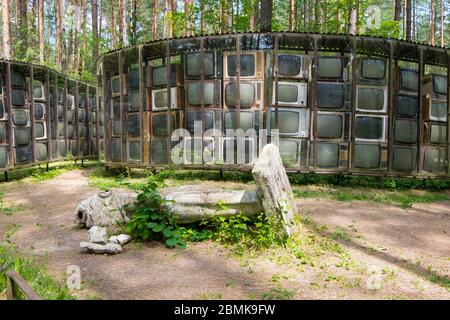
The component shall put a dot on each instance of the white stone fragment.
(109, 248)
(97, 235)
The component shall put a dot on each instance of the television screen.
(289, 65)
(193, 64)
(287, 93)
(247, 65)
(39, 110)
(117, 128)
(3, 157)
(93, 132)
(1, 86)
(409, 80)
(81, 115)
(440, 85)
(330, 95)
(18, 79)
(407, 105)
(41, 151)
(371, 98)
(438, 111)
(70, 131)
(2, 109)
(135, 101)
(62, 148)
(81, 131)
(60, 111)
(367, 156)
(230, 154)
(38, 91)
(289, 122)
(373, 68)
(405, 131)
(438, 134)
(24, 154)
(115, 85)
(18, 97)
(434, 160)
(194, 93)
(69, 101)
(371, 128)
(134, 150)
(70, 115)
(2, 132)
(159, 151)
(329, 126)
(101, 118)
(60, 95)
(159, 76)
(192, 116)
(39, 130)
(404, 159)
(330, 68)
(246, 119)
(133, 125)
(20, 117)
(288, 152)
(327, 155)
(115, 108)
(115, 150)
(22, 136)
(159, 124)
(133, 78)
(247, 95)
(60, 129)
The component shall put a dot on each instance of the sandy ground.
(409, 246)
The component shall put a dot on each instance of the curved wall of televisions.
(45, 116)
(341, 104)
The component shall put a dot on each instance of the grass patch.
(435, 277)
(278, 293)
(41, 174)
(7, 209)
(113, 179)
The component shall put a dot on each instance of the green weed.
(278, 293)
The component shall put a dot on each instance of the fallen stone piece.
(120, 239)
(97, 235)
(109, 248)
(104, 209)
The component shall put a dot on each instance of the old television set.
(18, 79)
(408, 79)
(115, 150)
(434, 110)
(133, 125)
(70, 115)
(251, 65)
(3, 114)
(115, 108)
(4, 156)
(330, 125)
(434, 159)
(134, 150)
(290, 94)
(331, 68)
(41, 151)
(134, 102)
(211, 97)
(93, 132)
(327, 154)
(435, 85)
(159, 151)
(159, 76)
(81, 115)
(39, 110)
(293, 66)
(116, 128)
(193, 116)
(289, 151)
(405, 130)
(62, 148)
(101, 118)
(371, 70)
(404, 159)
(2, 132)
(232, 152)
(61, 129)
(407, 105)
(24, 154)
(40, 130)
(371, 98)
(70, 101)
(81, 131)
(291, 122)
(370, 128)
(332, 95)
(247, 119)
(38, 91)
(434, 133)
(367, 156)
(160, 125)
(20, 117)
(70, 131)
(60, 95)
(60, 111)
(18, 97)
(133, 78)
(250, 95)
(192, 62)
(115, 85)
(160, 101)
(22, 136)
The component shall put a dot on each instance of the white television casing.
(44, 137)
(303, 124)
(174, 103)
(302, 94)
(304, 67)
(385, 98)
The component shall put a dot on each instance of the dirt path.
(380, 235)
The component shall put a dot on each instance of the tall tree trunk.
(84, 52)
(266, 15)
(397, 10)
(154, 20)
(442, 23)
(173, 11)
(76, 46)
(432, 23)
(291, 15)
(353, 18)
(187, 26)
(23, 26)
(112, 26)
(70, 47)
(94, 33)
(6, 20)
(408, 19)
(100, 25)
(41, 30)
(58, 35)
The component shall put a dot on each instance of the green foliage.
(278, 293)
(41, 174)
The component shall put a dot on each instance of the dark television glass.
(93, 132)
(2, 132)
(192, 116)
(81, 115)
(62, 148)
(247, 95)
(134, 150)
(18, 79)
(117, 128)
(70, 116)
(330, 95)
(246, 119)
(407, 105)
(329, 126)
(438, 134)
(60, 111)
(20, 117)
(69, 101)
(135, 101)
(160, 99)
(3, 157)
(438, 111)
(115, 150)
(41, 151)
(374, 69)
(71, 131)
(404, 159)
(101, 118)
(159, 76)
(159, 125)
(61, 129)
(133, 125)
(371, 99)
(405, 131)
(287, 93)
(1, 86)
(434, 160)
(289, 65)
(288, 152)
(24, 154)
(327, 155)
(329, 68)
(440, 85)
(288, 121)
(81, 131)
(22, 136)
(194, 93)
(193, 64)
(60, 95)
(38, 92)
(367, 156)
(247, 65)
(133, 78)
(39, 110)
(2, 109)
(18, 97)
(115, 85)
(368, 127)
(159, 151)
(39, 130)
(116, 108)
(409, 80)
